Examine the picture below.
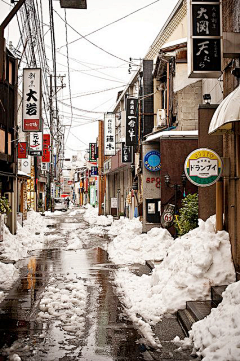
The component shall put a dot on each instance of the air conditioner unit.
(161, 117)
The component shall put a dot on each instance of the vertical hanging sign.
(126, 154)
(92, 152)
(204, 39)
(109, 134)
(22, 150)
(131, 122)
(46, 157)
(35, 146)
(31, 100)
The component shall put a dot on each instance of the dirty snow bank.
(193, 264)
(133, 247)
(217, 337)
(15, 247)
(91, 216)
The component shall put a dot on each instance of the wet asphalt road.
(104, 332)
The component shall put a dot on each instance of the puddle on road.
(105, 334)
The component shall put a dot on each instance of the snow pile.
(65, 303)
(91, 216)
(29, 237)
(128, 248)
(125, 226)
(193, 264)
(10, 273)
(217, 337)
(74, 242)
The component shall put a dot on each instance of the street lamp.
(176, 186)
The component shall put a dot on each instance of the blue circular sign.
(152, 161)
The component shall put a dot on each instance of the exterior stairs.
(197, 310)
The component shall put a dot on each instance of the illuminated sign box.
(73, 4)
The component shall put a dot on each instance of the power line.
(93, 92)
(97, 46)
(113, 22)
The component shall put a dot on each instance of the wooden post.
(219, 206)
(101, 184)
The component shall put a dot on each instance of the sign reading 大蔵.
(204, 39)
(31, 100)
(131, 122)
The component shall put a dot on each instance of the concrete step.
(185, 320)
(199, 309)
(216, 294)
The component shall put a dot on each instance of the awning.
(227, 112)
(23, 175)
(173, 134)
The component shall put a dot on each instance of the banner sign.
(109, 134)
(92, 152)
(22, 150)
(26, 165)
(35, 146)
(31, 100)
(127, 154)
(204, 42)
(131, 122)
(46, 157)
(94, 170)
(203, 167)
(92, 195)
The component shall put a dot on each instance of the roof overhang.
(226, 114)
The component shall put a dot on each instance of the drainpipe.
(168, 91)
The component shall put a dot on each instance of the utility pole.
(51, 133)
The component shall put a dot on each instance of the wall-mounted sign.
(127, 153)
(44, 166)
(114, 203)
(107, 166)
(155, 180)
(35, 145)
(22, 150)
(92, 152)
(31, 100)
(131, 121)
(46, 157)
(109, 134)
(152, 161)
(203, 167)
(204, 40)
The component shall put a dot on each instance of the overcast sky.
(91, 69)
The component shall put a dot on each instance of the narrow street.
(100, 331)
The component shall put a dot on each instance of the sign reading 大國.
(152, 161)
(203, 167)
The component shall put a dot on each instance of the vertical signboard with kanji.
(109, 134)
(126, 154)
(35, 145)
(31, 100)
(131, 122)
(46, 157)
(92, 152)
(204, 39)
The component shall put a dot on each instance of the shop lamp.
(207, 98)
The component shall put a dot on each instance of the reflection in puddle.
(64, 308)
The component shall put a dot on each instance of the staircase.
(197, 310)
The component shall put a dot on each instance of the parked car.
(60, 204)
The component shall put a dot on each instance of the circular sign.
(203, 167)
(152, 161)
